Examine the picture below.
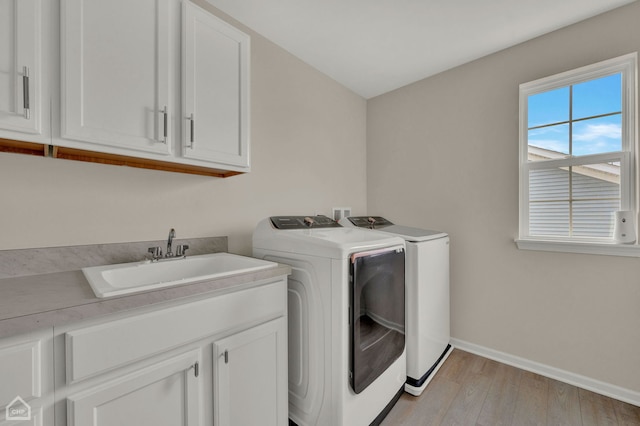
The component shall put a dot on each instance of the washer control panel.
(303, 222)
(370, 221)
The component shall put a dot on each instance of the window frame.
(626, 65)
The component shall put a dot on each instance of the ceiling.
(374, 46)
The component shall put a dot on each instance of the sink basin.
(125, 278)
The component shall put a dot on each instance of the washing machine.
(346, 314)
(427, 290)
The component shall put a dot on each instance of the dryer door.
(377, 314)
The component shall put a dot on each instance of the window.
(577, 153)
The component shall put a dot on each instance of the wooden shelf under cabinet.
(19, 147)
(122, 160)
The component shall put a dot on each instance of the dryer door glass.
(377, 314)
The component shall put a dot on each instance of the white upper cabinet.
(115, 74)
(21, 78)
(215, 89)
(161, 83)
(155, 79)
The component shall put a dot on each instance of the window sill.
(608, 249)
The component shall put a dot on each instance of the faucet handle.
(181, 250)
(156, 252)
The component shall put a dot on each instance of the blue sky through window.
(591, 134)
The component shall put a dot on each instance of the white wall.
(308, 155)
(443, 154)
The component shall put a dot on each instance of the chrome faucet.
(172, 235)
(181, 250)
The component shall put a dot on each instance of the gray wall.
(443, 154)
(307, 155)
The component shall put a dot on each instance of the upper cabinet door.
(20, 67)
(115, 74)
(215, 89)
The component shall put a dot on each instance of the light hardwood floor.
(472, 390)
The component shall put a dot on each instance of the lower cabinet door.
(165, 394)
(250, 377)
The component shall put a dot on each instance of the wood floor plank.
(563, 405)
(456, 368)
(596, 410)
(467, 404)
(499, 406)
(531, 404)
(472, 390)
(626, 414)
(428, 409)
(401, 411)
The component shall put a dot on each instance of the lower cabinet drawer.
(96, 349)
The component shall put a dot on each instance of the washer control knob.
(309, 221)
(372, 222)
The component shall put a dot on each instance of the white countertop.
(37, 301)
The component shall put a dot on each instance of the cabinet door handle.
(226, 356)
(25, 92)
(192, 122)
(196, 369)
(165, 124)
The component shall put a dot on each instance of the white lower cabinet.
(164, 394)
(218, 360)
(250, 372)
(26, 379)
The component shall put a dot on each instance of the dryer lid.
(379, 223)
(413, 234)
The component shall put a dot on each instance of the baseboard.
(602, 388)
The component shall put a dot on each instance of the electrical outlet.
(340, 212)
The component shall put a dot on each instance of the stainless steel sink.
(125, 278)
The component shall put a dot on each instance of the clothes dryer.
(427, 291)
(346, 313)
